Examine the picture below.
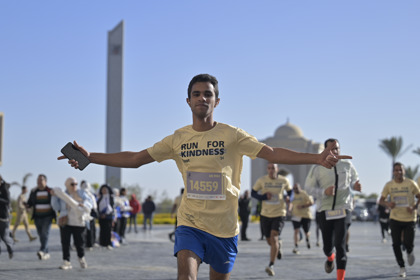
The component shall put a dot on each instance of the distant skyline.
(348, 70)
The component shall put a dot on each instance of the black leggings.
(66, 232)
(334, 235)
(409, 229)
(384, 229)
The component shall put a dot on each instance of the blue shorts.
(219, 253)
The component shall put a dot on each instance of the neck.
(203, 124)
(399, 180)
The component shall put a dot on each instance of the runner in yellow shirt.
(273, 210)
(301, 215)
(402, 193)
(209, 156)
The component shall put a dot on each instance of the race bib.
(274, 200)
(335, 214)
(401, 201)
(205, 186)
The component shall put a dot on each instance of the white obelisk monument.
(114, 100)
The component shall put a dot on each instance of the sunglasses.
(73, 184)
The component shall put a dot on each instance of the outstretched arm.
(260, 197)
(121, 159)
(285, 156)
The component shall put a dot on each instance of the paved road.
(149, 256)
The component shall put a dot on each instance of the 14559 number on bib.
(205, 186)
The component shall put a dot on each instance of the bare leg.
(296, 236)
(188, 263)
(273, 241)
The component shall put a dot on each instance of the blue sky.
(343, 69)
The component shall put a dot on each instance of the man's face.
(42, 183)
(73, 186)
(203, 99)
(399, 173)
(336, 150)
(296, 188)
(272, 170)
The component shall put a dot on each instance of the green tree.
(393, 147)
(417, 151)
(164, 206)
(134, 189)
(411, 172)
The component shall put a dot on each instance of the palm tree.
(411, 172)
(393, 147)
(25, 178)
(417, 151)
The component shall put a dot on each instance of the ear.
(188, 101)
(217, 102)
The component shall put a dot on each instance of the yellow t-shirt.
(403, 195)
(210, 163)
(276, 206)
(177, 202)
(302, 198)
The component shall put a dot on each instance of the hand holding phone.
(72, 153)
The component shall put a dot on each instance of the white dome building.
(291, 137)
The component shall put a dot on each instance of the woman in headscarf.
(91, 230)
(106, 215)
(135, 209)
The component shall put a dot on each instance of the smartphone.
(71, 152)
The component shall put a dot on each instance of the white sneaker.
(296, 251)
(66, 265)
(402, 272)
(109, 247)
(83, 263)
(384, 240)
(46, 256)
(411, 258)
(270, 270)
(40, 255)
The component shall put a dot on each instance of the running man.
(301, 215)
(334, 187)
(209, 156)
(273, 209)
(402, 192)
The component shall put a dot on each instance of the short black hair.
(329, 140)
(43, 176)
(204, 78)
(397, 164)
